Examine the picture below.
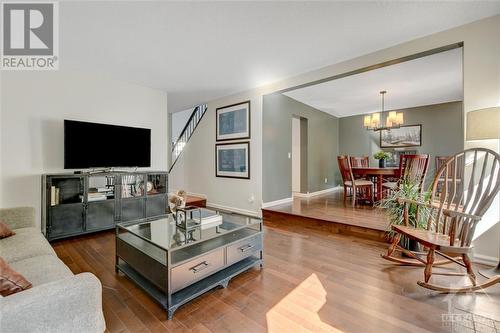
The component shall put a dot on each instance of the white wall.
(481, 89)
(179, 120)
(33, 107)
(195, 169)
(1, 183)
(486, 237)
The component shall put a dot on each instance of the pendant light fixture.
(383, 119)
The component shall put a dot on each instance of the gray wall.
(322, 147)
(442, 132)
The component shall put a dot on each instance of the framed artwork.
(232, 160)
(404, 136)
(233, 122)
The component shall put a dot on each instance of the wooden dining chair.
(411, 168)
(440, 161)
(451, 215)
(360, 161)
(360, 189)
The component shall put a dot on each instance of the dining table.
(377, 173)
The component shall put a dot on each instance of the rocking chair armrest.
(454, 213)
(447, 212)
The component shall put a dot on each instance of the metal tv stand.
(77, 204)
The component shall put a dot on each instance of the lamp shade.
(483, 124)
(376, 120)
(400, 118)
(367, 121)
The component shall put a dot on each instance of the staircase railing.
(187, 131)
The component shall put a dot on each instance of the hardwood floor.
(330, 207)
(312, 281)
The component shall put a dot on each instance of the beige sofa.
(59, 301)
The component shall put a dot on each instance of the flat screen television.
(92, 145)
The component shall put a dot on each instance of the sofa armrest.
(69, 305)
(19, 217)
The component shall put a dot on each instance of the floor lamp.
(484, 124)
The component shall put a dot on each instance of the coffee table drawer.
(196, 269)
(243, 249)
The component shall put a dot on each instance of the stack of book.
(99, 194)
(54, 196)
(96, 196)
(209, 219)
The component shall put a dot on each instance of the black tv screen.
(92, 145)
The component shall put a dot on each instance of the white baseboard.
(313, 194)
(233, 209)
(199, 195)
(276, 202)
(222, 207)
(484, 259)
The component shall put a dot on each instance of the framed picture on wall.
(233, 122)
(404, 136)
(232, 160)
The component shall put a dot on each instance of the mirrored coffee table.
(175, 266)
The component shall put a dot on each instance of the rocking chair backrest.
(466, 183)
(360, 161)
(413, 168)
(345, 168)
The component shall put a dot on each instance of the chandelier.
(374, 122)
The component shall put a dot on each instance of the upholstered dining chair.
(358, 188)
(451, 215)
(440, 161)
(411, 167)
(360, 162)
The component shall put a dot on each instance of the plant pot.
(381, 163)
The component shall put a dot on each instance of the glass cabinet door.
(157, 184)
(66, 190)
(132, 186)
(101, 188)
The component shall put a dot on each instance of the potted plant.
(394, 208)
(381, 156)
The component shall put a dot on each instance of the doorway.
(299, 155)
(295, 155)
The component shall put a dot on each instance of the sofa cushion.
(26, 243)
(42, 269)
(5, 230)
(11, 281)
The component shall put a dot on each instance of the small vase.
(381, 163)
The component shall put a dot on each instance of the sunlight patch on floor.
(298, 311)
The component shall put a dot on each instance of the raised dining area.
(380, 153)
(352, 139)
(352, 208)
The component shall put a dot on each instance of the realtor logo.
(30, 36)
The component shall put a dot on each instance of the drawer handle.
(199, 267)
(246, 247)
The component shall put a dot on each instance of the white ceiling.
(199, 51)
(425, 81)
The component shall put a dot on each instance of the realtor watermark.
(30, 36)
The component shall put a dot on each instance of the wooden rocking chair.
(457, 203)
